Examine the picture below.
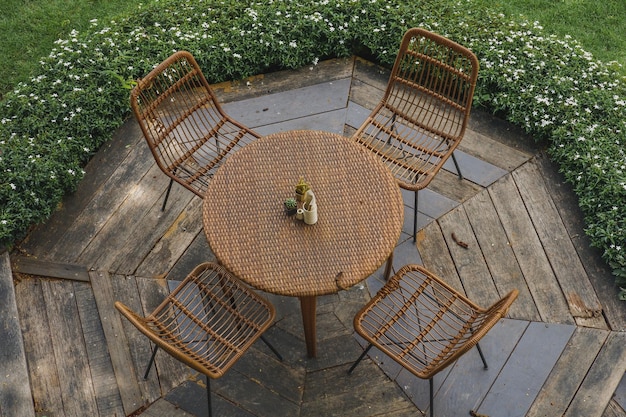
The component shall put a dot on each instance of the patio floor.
(560, 352)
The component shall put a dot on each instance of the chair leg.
(389, 267)
(225, 289)
(272, 348)
(415, 219)
(208, 395)
(482, 357)
(167, 194)
(367, 349)
(154, 351)
(432, 404)
(456, 165)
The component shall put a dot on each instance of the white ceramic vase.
(310, 208)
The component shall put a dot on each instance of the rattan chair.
(424, 324)
(208, 322)
(184, 124)
(425, 109)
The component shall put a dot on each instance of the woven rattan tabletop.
(360, 214)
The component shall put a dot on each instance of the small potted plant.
(291, 206)
(301, 189)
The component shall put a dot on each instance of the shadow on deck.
(560, 351)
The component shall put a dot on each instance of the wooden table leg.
(388, 267)
(308, 307)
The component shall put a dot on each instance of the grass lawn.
(599, 25)
(30, 27)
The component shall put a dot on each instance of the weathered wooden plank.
(196, 253)
(252, 395)
(125, 223)
(620, 393)
(149, 229)
(568, 373)
(531, 258)
(436, 256)
(492, 151)
(173, 243)
(418, 390)
(376, 393)
(499, 256)
(105, 385)
(603, 377)
(164, 408)
(45, 268)
(468, 382)
(614, 410)
(277, 377)
(70, 353)
(114, 340)
(598, 271)
(170, 371)
(527, 369)
(502, 131)
(409, 411)
(191, 397)
(105, 201)
(279, 81)
(469, 261)
(451, 186)
(372, 74)
(366, 97)
(583, 302)
(125, 290)
(44, 237)
(42, 370)
(15, 394)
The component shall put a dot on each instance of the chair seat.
(424, 324)
(208, 321)
(424, 112)
(184, 125)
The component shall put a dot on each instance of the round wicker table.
(360, 216)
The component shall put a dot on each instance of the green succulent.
(291, 203)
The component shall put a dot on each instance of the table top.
(360, 213)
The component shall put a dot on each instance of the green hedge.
(51, 125)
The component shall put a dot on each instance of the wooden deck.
(561, 351)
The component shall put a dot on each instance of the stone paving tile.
(292, 104)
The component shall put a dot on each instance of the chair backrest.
(183, 123)
(425, 108)
(208, 321)
(437, 323)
